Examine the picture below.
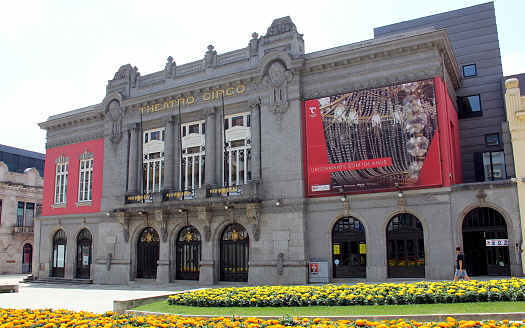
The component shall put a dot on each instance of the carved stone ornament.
(123, 220)
(205, 216)
(277, 81)
(481, 195)
(161, 216)
(280, 263)
(210, 58)
(123, 72)
(254, 45)
(346, 208)
(252, 212)
(254, 102)
(135, 75)
(168, 70)
(402, 205)
(115, 113)
(108, 261)
(207, 111)
(280, 26)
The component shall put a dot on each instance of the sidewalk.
(93, 298)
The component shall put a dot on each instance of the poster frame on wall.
(395, 129)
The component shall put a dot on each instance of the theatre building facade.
(269, 165)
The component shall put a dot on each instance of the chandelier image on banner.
(382, 135)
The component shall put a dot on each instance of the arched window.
(405, 247)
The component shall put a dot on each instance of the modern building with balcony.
(270, 165)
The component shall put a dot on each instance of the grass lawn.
(323, 311)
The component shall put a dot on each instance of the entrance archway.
(349, 249)
(148, 246)
(234, 254)
(27, 258)
(405, 247)
(84, 242)
(483, 226)
(188, 254)
(59, 254)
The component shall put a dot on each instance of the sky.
(58, 55)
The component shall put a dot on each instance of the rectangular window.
(238, 149)
(470, 70)
(191, 171)
(470, 106)
(29, 215)
(490, 166)
(20, 214)
(61, 183)
(492, 139)
(85, 185)
(153, 160)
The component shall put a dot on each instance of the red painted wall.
(448, 135)
(73, 152)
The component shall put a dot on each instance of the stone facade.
(20, 198)
(515, 106)
(269, 80)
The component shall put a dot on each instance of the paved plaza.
(94, 298)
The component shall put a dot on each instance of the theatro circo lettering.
(211, 95)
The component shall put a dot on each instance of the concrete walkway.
(93, 298)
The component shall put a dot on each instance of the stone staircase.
(59, 281)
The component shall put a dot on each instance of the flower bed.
(63, 319)
(360, 294)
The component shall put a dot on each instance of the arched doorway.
(188, 254)
(147, 253)
(59, 254)
(349, 249)
(27, 258)
(485, 239)
(235, 248)
(84, 242)
(405, 247)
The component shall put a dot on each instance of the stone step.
(57, 280)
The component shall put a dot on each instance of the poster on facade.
(375, 139)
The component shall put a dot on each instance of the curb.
(515, 316)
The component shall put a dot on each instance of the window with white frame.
(153, 160)
(85, 184)
(192, 161)
(238, 149)
(61, 174)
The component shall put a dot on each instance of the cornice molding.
(76, 140)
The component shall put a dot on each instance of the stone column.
(255, 105)
(210, 180)
(133, 159)
(167, 184)
(177, 140)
